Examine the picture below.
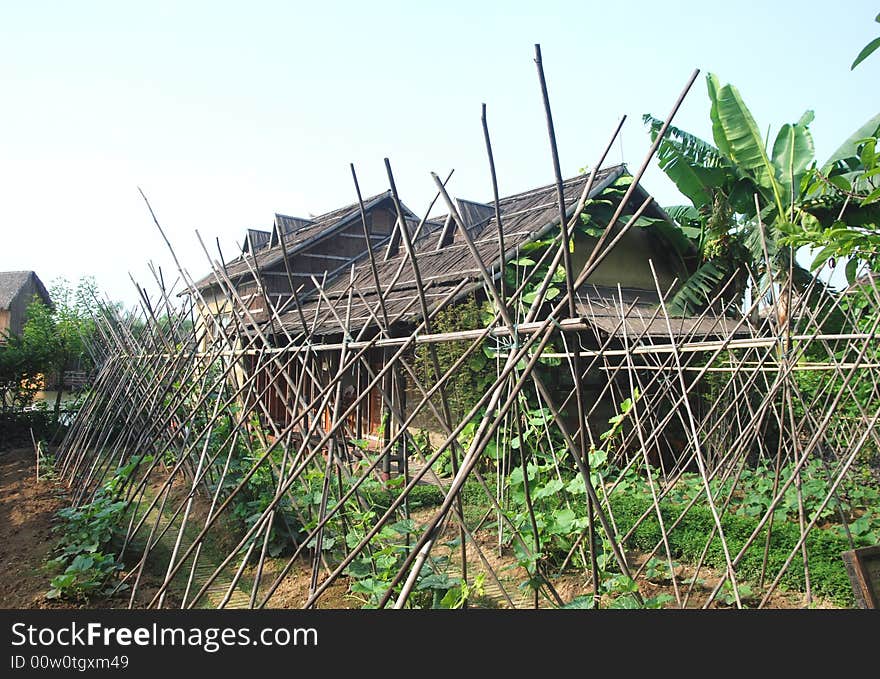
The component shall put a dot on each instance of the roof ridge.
(352, 206)
(284, 216)
(602, 172)
(13, 281)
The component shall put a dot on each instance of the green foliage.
(297, 514)
(473, 377)
(868, 49)
(46, 462)
(658, 570)
(86, 534)
(559, 505)
(258, 493)
(597, 214)
(799, 203)
(39, 333)
(20, 368)
(832, 208)
(857, 313)
(727, 596)
(526, 272)
(74, 313)
(25, 359)
(581, 602)
(558, 500)
(688, 539)
(53, 340)
(423, 495)
(61, 333)
(372, 572)
(737, 136)
(695, 166)
(85, 576)
(843, 204)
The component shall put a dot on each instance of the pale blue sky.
(226, 113)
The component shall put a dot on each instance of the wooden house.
(296, 249)
(332, 249)
(17, 291)
(451, 275)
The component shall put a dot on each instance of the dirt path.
(27, 509)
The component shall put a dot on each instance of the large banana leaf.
(849, 148)
(680, 238)
(696, 292)
(687, 217)
(695, 166)
(845, 169)
(868, 49)
(793, 152)
(866, 217)
(694, 181)
(713, 85)
(697, 150)
(737, 137)
(754, 243)
(866, 52)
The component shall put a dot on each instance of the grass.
(688, 539)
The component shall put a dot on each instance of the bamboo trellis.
(184, 390)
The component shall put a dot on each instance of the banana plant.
(841, 206)
(746, 195)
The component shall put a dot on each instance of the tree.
(842, 204)
(20, 367)
(750, 201)
(54, 340)
(58, 338)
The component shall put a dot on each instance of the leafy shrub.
(86, 533)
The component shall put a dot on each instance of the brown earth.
(27, 509)
(294, 589)
(27, 517)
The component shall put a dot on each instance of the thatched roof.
(256, 239)
(298, 233)
(637, 314)
(443, 265)
(11, 283)
(525, 217)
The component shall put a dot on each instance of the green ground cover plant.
(85, 561)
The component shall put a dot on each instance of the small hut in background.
(17, 291)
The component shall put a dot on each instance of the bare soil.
(293, 591)
(27, 509)
(27, 517)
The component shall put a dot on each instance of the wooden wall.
(14, 318)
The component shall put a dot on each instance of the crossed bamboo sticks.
(188, 389)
